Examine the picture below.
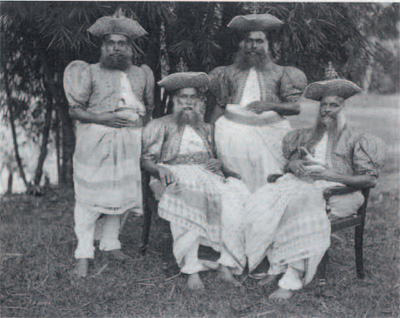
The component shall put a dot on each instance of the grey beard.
(331, 128)
(119, 62)
(244, 61)
(184, 118)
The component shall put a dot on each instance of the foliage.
(39, 39)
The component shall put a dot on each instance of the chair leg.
(145, 230)
(359, 233)
(322, 274)
(148, 207)
(166, 244)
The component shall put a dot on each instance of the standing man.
(108, 100)
(178, 152)
(254, 96)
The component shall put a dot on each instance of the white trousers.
(85, 225)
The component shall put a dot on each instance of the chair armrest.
(273, 177)
(338, 190)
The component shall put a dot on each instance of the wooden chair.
(357, 221)
(150, 207)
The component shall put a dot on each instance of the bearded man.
(287, 221)
(108, 100)
(254, 95)
(178, 152)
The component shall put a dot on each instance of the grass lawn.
(37, 243)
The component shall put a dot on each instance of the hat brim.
(336, 87)
(255, 22)
(124, 26)
(178, 81)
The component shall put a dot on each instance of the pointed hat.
(332, 85)
(117, 24)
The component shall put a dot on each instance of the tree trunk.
(53, 83)
(58, 154)
(16, 150)
(10, 181)
(67, 143)
(45, 139)
(13, 131)
(68, 136)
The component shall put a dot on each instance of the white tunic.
(252, 150)
(191, 142)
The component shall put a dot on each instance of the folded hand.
(297, 167)
(213, 165)
(166, 176)
(258, 107)
(113, 120)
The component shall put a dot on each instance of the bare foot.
(194, 282)
(281, 294)
(270, 279)
(226, 276)
(81, 267)
(118, 255)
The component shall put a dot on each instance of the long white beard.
(191, 118)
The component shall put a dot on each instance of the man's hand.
(231, 174)
(113, 120)
(297, 167)
(213, 165)
(259, 107)
(166, 176)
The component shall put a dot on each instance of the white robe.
(251, 148)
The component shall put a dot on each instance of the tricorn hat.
(254, 22)
(332, 85)
(117, 24)
(181, 80)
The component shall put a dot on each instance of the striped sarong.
(107, 174)
(198, 205)
(287, 222)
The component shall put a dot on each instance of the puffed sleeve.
(293, 83)
(152, 140)
(292, 142)
(369, 155)
(219, 85)
(149, 88)
(78, 84)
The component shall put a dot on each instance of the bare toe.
(118, 255)
(226, 276)
(281, 294)
(194, 282)
(81, 268)
(269, 280)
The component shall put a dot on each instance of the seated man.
(178, 152)
(286, 221)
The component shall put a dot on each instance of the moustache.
(328, 116)
(117, 55)
(254, 53)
